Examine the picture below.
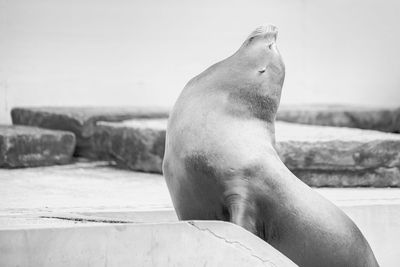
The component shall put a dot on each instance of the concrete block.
(319, 155)
(135, 144)
(82, 122)
(381, 119)
(174, 244)
(22, 146)
(335, 156)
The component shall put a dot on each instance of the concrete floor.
(84, 192)
(95, 192)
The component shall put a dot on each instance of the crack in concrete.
(231, 242)
(85, 219)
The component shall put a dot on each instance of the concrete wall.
(98, 52)
(175, 244)
(380, 225)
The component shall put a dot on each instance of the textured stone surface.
(136, 144)
(382, 119)
(327, 148)
(22, 146)
(381, 177)
(320, 156)
(193, 244)
(82, 121)
(332, 156)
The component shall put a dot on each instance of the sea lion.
(220, 162)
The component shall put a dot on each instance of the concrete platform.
(80, 186)
(174, 244)
(99, 189)
(95, 193)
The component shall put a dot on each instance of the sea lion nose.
(271, 32)
(268, 32)
(270, 28)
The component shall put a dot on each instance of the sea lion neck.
(256, 76)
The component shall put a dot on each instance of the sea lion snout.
(260, 42)
(267, 32)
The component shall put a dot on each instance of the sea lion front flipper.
(242, 212)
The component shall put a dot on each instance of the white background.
(98, 52)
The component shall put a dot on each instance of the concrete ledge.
(341, 157)
(174, 244)
(22, 146)
(381, 119)
(379, 177)
(81, 121)
(319, 155)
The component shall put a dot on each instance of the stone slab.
(374, 118)
(135, 144)
(22, 146)
(336, 148)
(81, 121)
(319, 155)
(175, 244)
(336, 156)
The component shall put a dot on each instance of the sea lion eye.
(270, 45)
(262, 70)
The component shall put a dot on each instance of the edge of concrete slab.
(195, 243)
(384, 119)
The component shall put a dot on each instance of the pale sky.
(143, 52)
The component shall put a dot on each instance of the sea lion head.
(260, 52)
(260, 63)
